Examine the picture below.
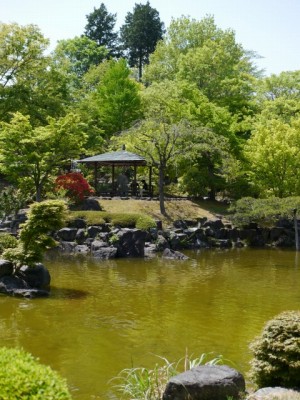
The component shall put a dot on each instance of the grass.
(149, 384)
(176, 209)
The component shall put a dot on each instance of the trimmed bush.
(7, 241)
(277, 352)
(23, 377)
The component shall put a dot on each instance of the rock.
(161, 243)
(174, 255)
(206, 382)
(82, 249)
(93, 231)
(270, 393)
(91, 203)
(78, 223)
(214, 224)
(98, 244)
(105, 253)
(80, 236)
(68, 247)
(131, 242)
(67, 234)
(6, 268)
(36, 277)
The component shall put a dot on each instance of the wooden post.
(96, 177)
(296, 229)
(113, 179)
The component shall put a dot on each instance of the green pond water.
(104, 316)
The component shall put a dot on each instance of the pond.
(104, 316)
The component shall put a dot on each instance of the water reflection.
(103, 316)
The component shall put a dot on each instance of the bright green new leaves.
(29, 81)
(30, 156)
(77, 55)
(273, 153)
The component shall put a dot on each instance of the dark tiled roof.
(116, 157)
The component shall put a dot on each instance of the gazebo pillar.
(95, 176)
(113, 179)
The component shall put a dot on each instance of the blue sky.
(271, 28)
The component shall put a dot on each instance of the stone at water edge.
(206, 382)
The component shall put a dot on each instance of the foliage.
(265, 212)
(30, 82)
(117, 98)
(273, 153)
(202, 53)
(277, 352)
(7, 241)
(126, 220)
(76, 186)
(23, 377)
(30, 156)
(77, 55)
(11, 200)
(149, 384)
(140, 34)
(43, 218)
(100, 29)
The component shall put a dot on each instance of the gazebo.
(116, 159)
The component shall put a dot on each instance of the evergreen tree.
(140, 34)
(100, 28)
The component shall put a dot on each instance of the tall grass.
(149, 384)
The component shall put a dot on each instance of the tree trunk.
(161, 190)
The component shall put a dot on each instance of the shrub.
(138, 221)
(7, 241)
(43, 218)
(76, 186)
(23, 377)
(276, 352)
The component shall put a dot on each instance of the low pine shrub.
(23, 377)
(276, 352)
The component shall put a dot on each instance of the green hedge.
(130, 220)
(22, 377)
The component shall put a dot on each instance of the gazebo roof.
(122, 157)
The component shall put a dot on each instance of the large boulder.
(91, 204)
(105, 253)
(206, 382)
(67, 234)
(6, 268)
(130, 242)
(29, 282)
(37, 277)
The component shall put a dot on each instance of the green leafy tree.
(77, 55)
(30, 82)
(100, 29)
(31, 156)
(43, 218)
(160, 143)
(116, 102)
(273, 154)
(203, 54)
(140, 34)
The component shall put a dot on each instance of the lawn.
(176, 209)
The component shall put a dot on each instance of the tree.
(205, 55)
(273, 154)
(31, 156)
(43, 218)
(100, 28)
(115, 102)
(77, 55)
(30, 83)
(159, 142)
(140, 34)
